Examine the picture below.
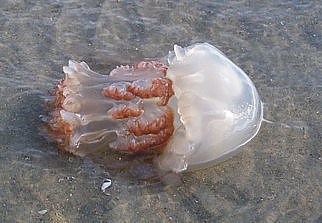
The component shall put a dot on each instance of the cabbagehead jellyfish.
(197, 109)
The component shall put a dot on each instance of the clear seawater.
(277, 177)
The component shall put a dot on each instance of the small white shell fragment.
(42, 212)
(106, 184)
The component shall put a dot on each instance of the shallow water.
(276, 178)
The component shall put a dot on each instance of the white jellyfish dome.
(218, 108)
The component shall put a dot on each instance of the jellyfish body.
(197, 110)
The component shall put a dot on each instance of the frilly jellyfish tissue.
(197, 109)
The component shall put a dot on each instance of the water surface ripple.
(277, 178)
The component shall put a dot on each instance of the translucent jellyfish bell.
(218, 108)
(195, 111)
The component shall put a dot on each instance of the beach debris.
(42, 212)
(106, 184)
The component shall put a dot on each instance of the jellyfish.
(196, 109)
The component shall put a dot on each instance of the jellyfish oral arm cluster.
(192, 112)
(125, 111)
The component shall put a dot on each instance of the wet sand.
(277, 177)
